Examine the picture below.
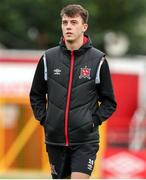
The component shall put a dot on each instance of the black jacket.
(79, 94)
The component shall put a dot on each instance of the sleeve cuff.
(96, 119)
(42, 121)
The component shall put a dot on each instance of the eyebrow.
(73, 20)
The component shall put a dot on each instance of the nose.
(68, 26)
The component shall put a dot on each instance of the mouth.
(68, 33)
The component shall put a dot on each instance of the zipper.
(68, 98)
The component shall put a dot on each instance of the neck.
(74, 45)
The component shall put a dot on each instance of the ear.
(85, 27)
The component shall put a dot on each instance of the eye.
(73, 22)
(64, 22)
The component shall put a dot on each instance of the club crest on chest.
(85, 73)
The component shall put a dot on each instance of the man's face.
(73, 28)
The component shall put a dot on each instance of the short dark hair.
(72, 10)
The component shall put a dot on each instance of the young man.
(76, 79)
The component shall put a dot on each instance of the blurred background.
(27, 29)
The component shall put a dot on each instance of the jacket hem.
(71, 144)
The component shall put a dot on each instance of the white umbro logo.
(124, 165)
(90, 164)
(57, 71)
(53, 170)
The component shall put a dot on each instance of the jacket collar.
(86, 45)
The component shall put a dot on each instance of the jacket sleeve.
(38, 93)
(106, 98)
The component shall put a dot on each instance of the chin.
(69, 39)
